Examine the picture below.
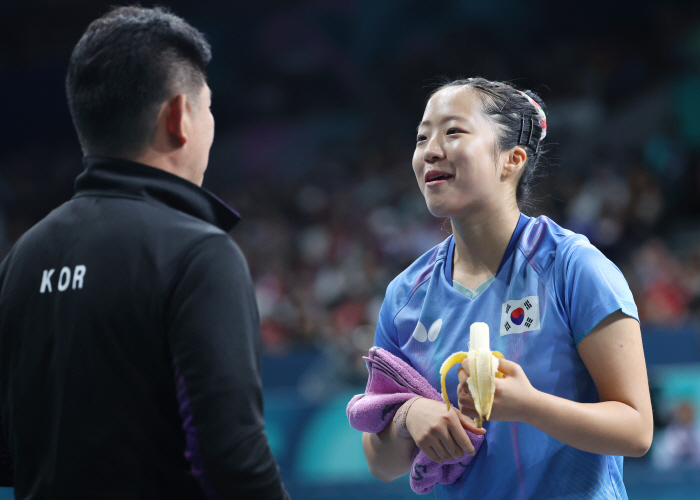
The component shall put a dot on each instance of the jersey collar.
(522, 222)
(119, 177)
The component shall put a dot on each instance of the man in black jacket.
(129, 331)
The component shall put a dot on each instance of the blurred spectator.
(679, 444)
(661, 294)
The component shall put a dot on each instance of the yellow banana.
(483, 369)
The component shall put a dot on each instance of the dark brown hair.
(517, 123)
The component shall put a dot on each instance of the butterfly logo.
(421, 334)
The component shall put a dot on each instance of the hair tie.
(540, 113)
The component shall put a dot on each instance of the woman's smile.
(435, 177)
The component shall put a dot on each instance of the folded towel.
(390, 384)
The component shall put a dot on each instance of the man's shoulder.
(117, 227)
(141, 211)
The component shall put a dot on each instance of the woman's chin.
(440, 210)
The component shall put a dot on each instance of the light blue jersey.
(552, 288)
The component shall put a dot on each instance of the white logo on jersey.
(421, 334)
(518, 316)
(64, 279)
(434, 330)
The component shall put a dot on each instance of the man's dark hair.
(127, 64)
(517, 123)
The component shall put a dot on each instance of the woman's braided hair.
(520, 119)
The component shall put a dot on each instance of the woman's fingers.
(455, 441)
(459, 442)
(437, 453)
(465, 369)
(453, 449)
(465, 399)
(441, 436)
(438, 432)
(469, 424)
(460, 437)
(431, 453)
(466, 403)
(441, 449)
(511, 396)
(462, 374)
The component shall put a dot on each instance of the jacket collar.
(118, 177)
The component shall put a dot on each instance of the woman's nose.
(433, 152)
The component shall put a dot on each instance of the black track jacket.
(130, 347)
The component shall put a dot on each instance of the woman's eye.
(452, 131)
(420, 138)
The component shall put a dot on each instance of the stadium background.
(316, 104)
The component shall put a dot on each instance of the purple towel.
(391, 383)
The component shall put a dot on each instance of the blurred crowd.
(316, 106)
(678, 445)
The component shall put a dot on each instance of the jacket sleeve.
(214, 334)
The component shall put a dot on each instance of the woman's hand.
(513, 397)
(439, 432)
(620, 424)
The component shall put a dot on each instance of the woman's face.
(454, 158)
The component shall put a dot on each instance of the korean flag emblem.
(518, 316)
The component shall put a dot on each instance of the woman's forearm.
(606, 428)
(389, 455)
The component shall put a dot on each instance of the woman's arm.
(620, 424)
(438, 432)
(388, 455)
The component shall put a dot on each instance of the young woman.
(575, 397)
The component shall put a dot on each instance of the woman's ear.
(515, 161)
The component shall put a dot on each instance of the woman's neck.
(480, 243)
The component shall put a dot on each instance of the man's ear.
(175, 118)
(515, 162)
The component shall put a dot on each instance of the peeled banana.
(483, 370)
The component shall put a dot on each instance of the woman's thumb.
(507, 367)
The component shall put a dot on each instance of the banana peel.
(483, 370)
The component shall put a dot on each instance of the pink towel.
(391, 383)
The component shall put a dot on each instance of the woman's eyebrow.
(444, 120)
